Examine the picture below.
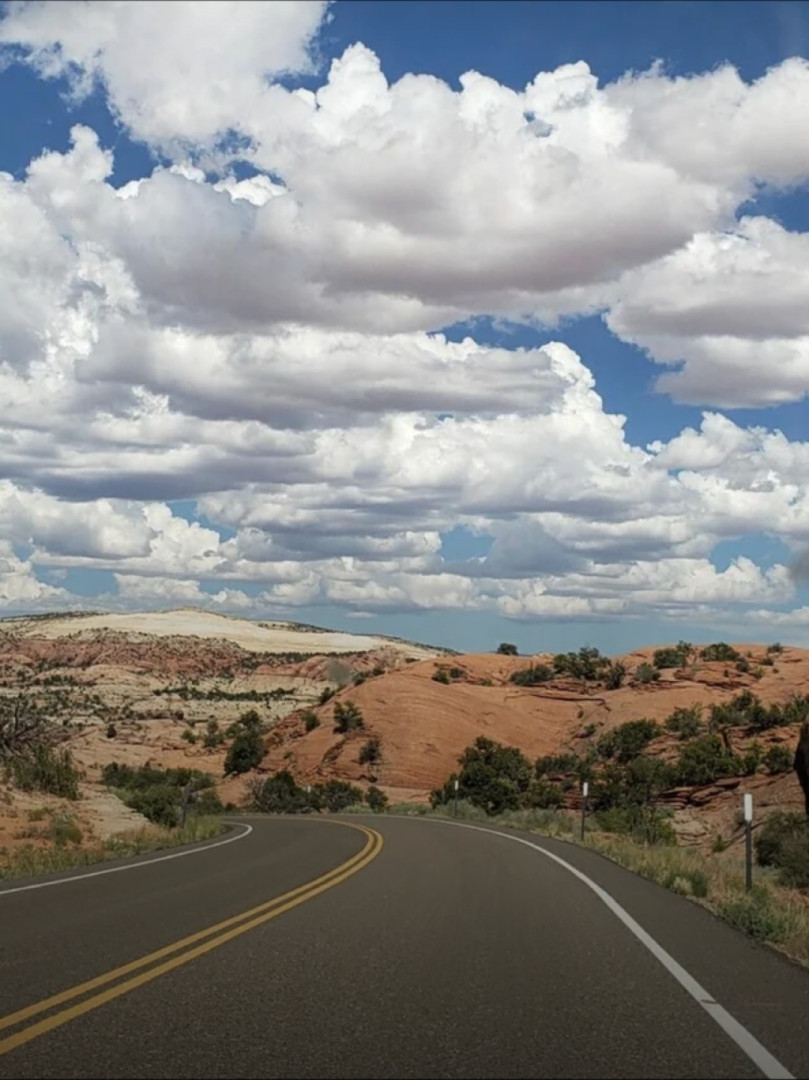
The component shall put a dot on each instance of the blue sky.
(327, 525)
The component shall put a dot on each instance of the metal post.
(184, 805)
(455, 786)
(585, 787)
(748, 842)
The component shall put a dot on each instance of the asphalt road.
(442, 952)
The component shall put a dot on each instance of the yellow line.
(277, 906)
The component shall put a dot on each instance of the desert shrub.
(719, 651)
(687, 882)
(159, 803)
(542, 795)
(189, 736)
(705, 759)
(376, 799)
(442, 676)
(370, 752)
(615, 675)
(41, 767)
(492, 777)
(685, 721)
(783, 842)
(112, 731)
(310, 720)
(647, 824)
(325, 694)
(531, 676)
(505, 648)
(775, 648)
(553, 764)
(743, 665)
(213, 736)
(674, 656)
(778, 759)
(245, 752)
(627, 740)
(347, 717)
(337, 795)
(645, 673)
(279, 794)
(752, 758)
(587, 663)
(755, 915)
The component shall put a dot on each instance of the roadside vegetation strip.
(31, 862)
(188, 948)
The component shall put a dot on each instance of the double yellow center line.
(187, 949)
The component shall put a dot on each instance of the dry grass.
(30, 861)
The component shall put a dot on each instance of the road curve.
(385, 947)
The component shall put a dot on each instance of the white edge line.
(131, 866)
(747, 1043)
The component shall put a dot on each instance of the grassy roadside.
(770, 913)
(30, 861)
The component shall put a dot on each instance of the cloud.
(272, 347)
(177, 74)
(799, 568)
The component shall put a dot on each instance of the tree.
(492, 776)
(337, 795)
(370, 752)
(279, 794)
(376, 799)
(505, 648)
(245, 752)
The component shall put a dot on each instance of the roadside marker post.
(455, 788)
(748, 841)
(585, 787)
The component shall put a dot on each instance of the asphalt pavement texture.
(453, 953)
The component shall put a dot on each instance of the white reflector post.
(748, 807)
(456, 785)
(585, 788)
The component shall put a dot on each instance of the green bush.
(45, 768)
(376, 799)
(543, 796)
(112, 731)
(189, 736)
(720, 651)
(685, 721)
(614, 678)
(778, 759)
(647, 824)
(310, 721)
(783, 842)
(370, 752)
(347, 717)
(531, 676)
(213, 736)
(587, 663)
(442, 676)
(325, 694)
(159, 803)
(627, 740)
(553, 764)
(752, 758)
(492, 777)
(776, 648)
(280, 794)
(687, 882)
(337, 795)
(674, 656)
(645, 673)
(505, 648)
(705, 759)
(245, 752)
(753, 913)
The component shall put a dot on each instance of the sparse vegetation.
(675, 656)
(370, 752)
(645, 673)
(777, 759)
(720, 651)
(347, 717)
(158, 793)
(45, 768)
(310, 721)
(625, 742)
(685, 721)
(532, 676)
(376, 799)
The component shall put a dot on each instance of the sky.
(462, 322)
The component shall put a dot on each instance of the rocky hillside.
(163, 689)
(422, 717)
